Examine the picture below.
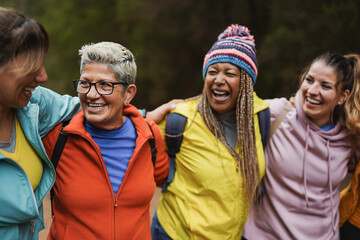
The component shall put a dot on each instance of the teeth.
(95, 105)
(220, 92)
(29, 89)
(312, 101)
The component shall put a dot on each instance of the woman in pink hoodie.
(309, 154)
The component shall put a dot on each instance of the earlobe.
(130, 93)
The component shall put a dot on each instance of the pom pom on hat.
(236, 46)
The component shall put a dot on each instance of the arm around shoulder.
(53, 108)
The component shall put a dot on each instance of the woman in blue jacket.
(27, 113)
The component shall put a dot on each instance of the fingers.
(159, 113)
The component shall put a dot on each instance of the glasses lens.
(82, 86)
(104, 87)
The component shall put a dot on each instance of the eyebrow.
(322, 81)
(101, 79)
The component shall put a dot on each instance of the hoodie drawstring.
(330, 186)
(304, 164)
(329, 176)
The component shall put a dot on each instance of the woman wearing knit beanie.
(221, 159)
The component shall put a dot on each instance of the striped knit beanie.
(236, 46)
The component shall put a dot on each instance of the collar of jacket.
(76, 125)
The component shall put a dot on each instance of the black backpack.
(174, 129)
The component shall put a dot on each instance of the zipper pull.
(32, 227)
(115, 201)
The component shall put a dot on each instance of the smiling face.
(222, 86)
(16, 87)
(321, 93)
(104, 111)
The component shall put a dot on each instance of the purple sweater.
(304, 168)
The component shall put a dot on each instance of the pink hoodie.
(304, 168)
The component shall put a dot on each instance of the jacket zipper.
(104, 167)
(115, 201)
(125, 176)
(115, 205)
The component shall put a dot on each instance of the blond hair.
(21, 36)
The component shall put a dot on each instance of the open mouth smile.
(313, 101)
(220, 95)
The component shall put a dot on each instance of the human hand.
(159, 113)
(292, 101)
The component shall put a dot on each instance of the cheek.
(235, 90)
(332, 103)
(234, 84)
(207, 88)
(83, 99)
(331, 97)
(207, 84)
(303, 87)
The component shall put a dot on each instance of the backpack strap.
(152, 146)
(58, 149)
(264, 124)
(174, 129)
(59, 146)
(279, 119)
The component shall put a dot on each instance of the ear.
(344, 96)
(130, 93)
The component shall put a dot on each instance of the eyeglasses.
(101, 87)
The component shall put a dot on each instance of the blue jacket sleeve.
(53, 108)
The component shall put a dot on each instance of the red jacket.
(84, 204)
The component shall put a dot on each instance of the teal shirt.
(21, 213)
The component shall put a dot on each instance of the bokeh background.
(170, 38)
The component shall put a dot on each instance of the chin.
(221, 110)
(22, 104)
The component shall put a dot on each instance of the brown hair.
(21, 35)
(347, 69)
(351, 116)
(247, 158)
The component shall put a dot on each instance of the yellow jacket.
(349, 207)
(205, 199)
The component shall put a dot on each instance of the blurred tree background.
(170, 38)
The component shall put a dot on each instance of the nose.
(41, 75)
(92, 92)
(220, 79)
(313, 89)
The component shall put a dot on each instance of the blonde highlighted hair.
(247, 158)
(21, 36)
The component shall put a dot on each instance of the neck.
(228, 117)
(6, 124)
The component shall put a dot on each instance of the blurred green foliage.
(170, 38)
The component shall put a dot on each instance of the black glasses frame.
(76, 82)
